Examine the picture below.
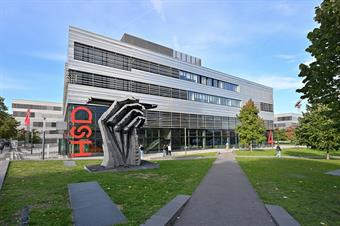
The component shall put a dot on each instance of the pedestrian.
(166, 149)
(169, 149)
(141, 150)
(163, 150)
(278, 151)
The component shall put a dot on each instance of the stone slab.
(334, 172)
(168, 214)
(281, 216)
(3, 171)
(70, 163)
(92, 206)
(143, 166)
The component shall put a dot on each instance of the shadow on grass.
(42, 185)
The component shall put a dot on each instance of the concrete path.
(225, 197)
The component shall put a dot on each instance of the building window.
(22, 114)
(266, 107)
(206, 98)
(285, 118)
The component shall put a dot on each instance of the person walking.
(141, 150)
(278, 151)
(169, 149)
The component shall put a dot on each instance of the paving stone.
(281, 216)
(70, 163)
(3, 170)
(225, 197)
(334, 172)
(92, 206)
(168, 214)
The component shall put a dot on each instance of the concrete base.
(70, 163)
(3, 171)
(168, 214)
(281, 216)
(143, 166)
(334, 172)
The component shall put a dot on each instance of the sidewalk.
(225, 197)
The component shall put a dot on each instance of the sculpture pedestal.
(143, 166)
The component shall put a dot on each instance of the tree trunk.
(251, 147)
(327, 155)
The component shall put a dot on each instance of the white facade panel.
(79, 94)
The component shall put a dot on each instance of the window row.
(89, 79)
(207, 81)
(83, 78)
(22, 114)
(99, 56)
(285, 118)
(159, 119)
(206, 98)
(47, 124)
(37, 107)
(266, 107)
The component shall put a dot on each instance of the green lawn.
(42, 185)
(298, 185)
(287, 152)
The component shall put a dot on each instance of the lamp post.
(43, 140)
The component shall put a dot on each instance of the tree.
(315, 129)
(322, 77)
(280, 134)
(290, 134)
(22, 134)
(8, 124)
(251, 128)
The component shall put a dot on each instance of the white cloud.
(278, 82)
(285, 56)
(309, 61)
(285, 8)
(158, 6)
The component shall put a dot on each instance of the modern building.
(40, 109)
(286, 120)
(196, 106)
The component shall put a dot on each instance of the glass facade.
(182, 131)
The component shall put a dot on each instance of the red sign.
(27, 118)
(82, 132)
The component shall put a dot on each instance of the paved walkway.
(225, 197)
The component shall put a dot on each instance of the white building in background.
(196, 106)
(39, 109)
(286, 120)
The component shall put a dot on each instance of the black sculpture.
(118, 130)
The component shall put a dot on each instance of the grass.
(287, 152)
(298, 185)
(42, 185)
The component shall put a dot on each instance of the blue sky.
(263, 41)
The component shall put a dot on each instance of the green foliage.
(8, 124)
(280, 135)
(315, 129)
(23, 135)
(251, 128)
(322, 77)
